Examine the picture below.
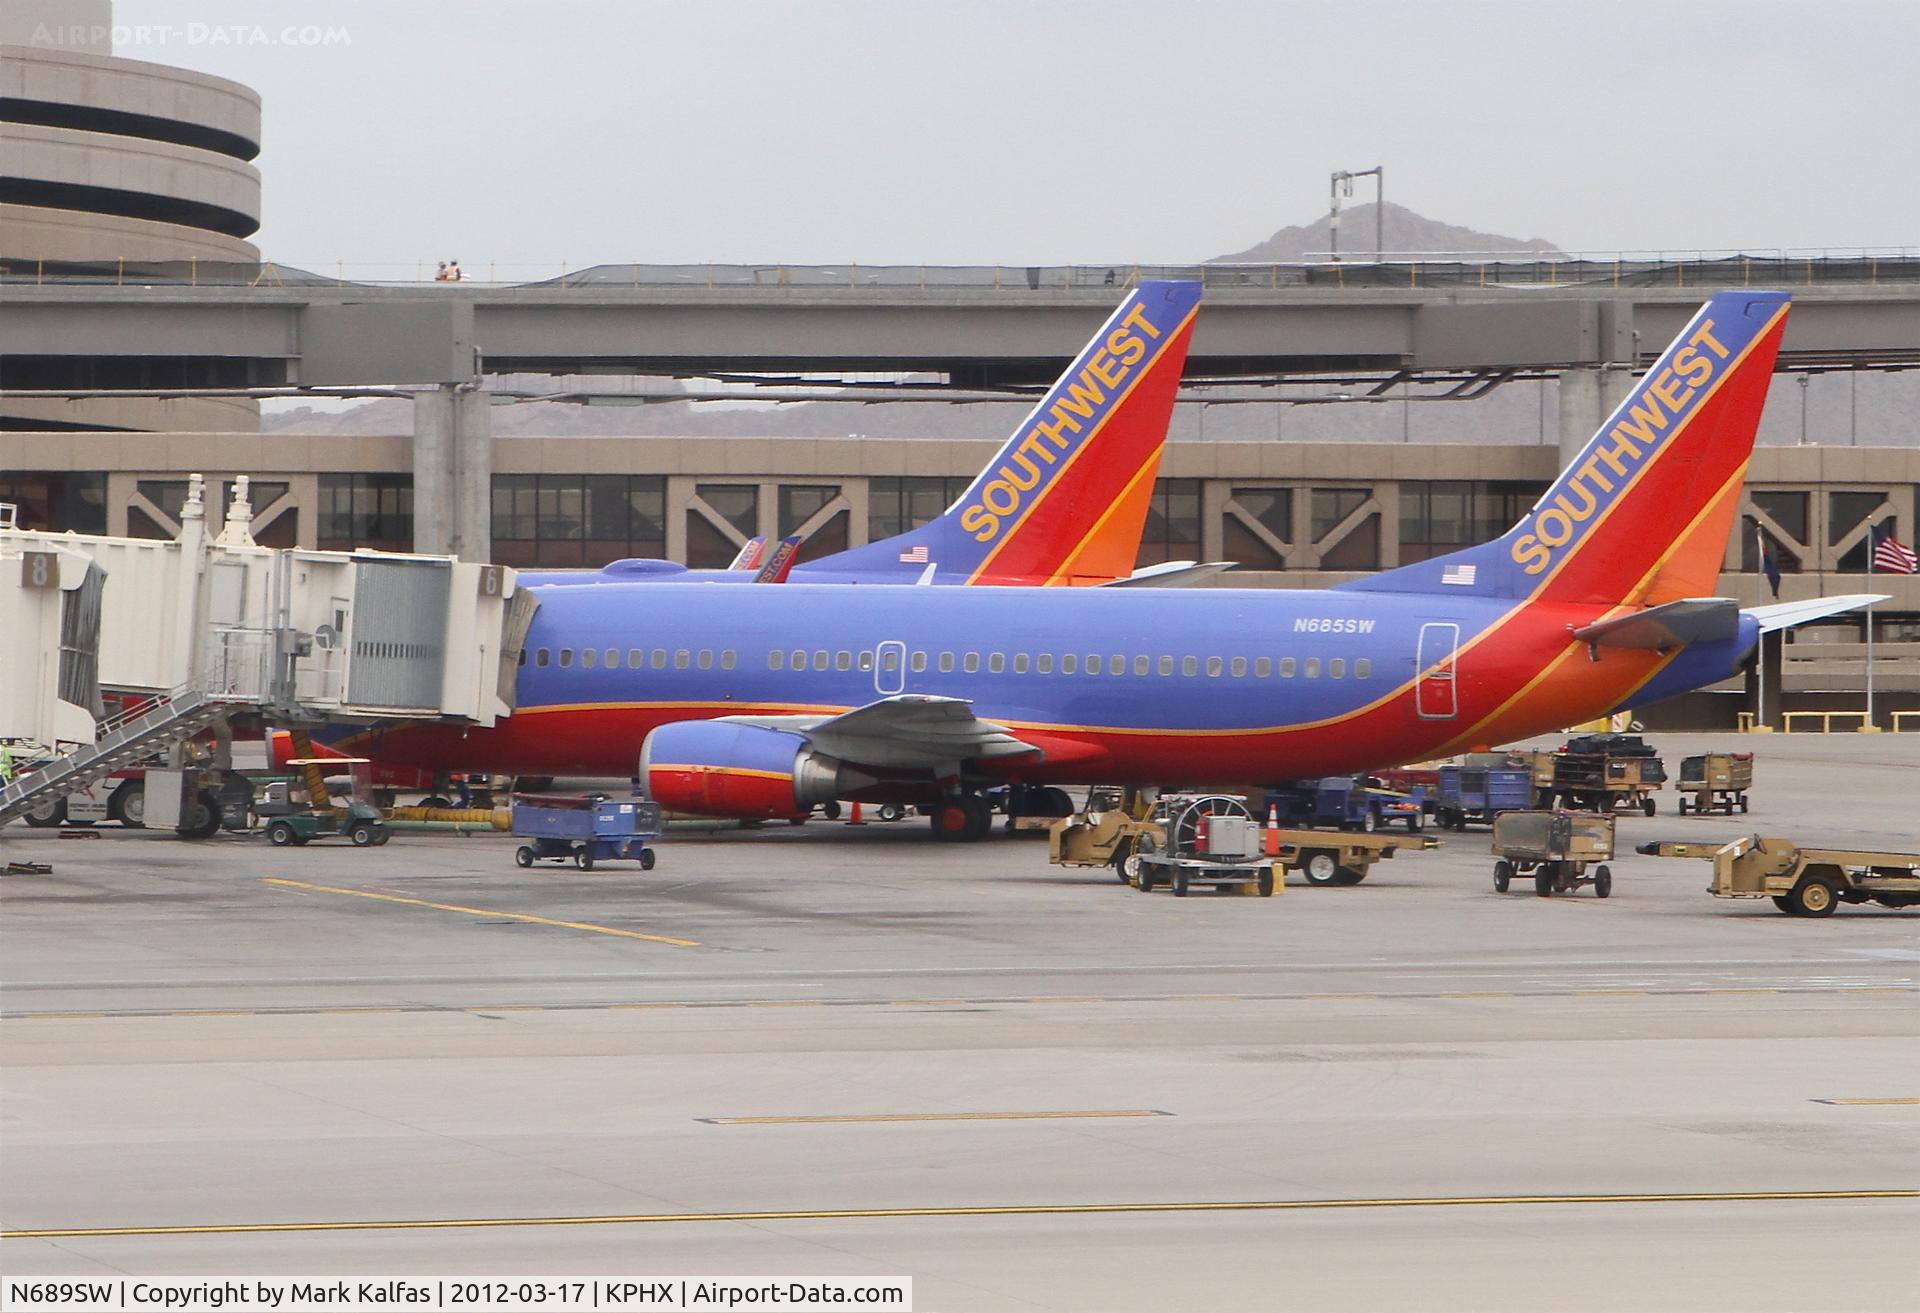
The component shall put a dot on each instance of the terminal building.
(128, 197)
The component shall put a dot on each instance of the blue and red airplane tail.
(1642, 515)
(1088, 453)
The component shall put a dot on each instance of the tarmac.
(839, 1050)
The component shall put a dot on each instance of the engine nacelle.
(713, 768)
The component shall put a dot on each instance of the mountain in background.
(1406, 233)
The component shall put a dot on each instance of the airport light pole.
(1343, 186)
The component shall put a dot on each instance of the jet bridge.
(209, 628)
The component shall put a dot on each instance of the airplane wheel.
(523, 856)
(1502, 875)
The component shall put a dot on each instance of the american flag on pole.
(915, 555)
(1890, 555)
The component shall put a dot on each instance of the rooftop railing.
(1840, 266)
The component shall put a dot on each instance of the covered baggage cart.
(1555, 848)
(585, 828)
(1717, 782)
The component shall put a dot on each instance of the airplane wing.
(1171, 574)
(908, 731)
(1670, 625)
(1784, 615)
(750, 552)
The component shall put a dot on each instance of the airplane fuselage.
(1200, 686)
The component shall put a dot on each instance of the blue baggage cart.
(1477, 794)
(584, 827)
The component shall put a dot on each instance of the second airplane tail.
(1641, 517)
(1088, 453)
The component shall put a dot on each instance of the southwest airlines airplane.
(1599, 598)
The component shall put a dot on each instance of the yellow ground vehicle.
(1802, 881)
(1113, 838)
(1716, 781)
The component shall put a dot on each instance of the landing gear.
(962, 818)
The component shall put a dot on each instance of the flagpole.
(1760, 699)
(1873, 549)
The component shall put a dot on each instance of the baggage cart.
(1717, 782)
(585, 828)
(1555, 848)
(1474, 795)
(1802, 881)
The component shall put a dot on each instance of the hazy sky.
(1001, 132)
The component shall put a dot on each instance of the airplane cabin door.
(1435, 696)
(890, 667)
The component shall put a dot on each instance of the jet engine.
(713, 768)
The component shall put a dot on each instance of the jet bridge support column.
(453, 473)
(1588, 394)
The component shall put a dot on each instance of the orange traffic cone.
(854, 817)
(1273, 830)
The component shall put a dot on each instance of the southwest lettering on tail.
(1079, 401)
(1650, 415)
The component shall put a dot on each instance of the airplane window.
(1019, 663)
(613, 658)
(1286, 667)
(1313, 668)
(659, 658)
(1166, 665)
(1093, 663)
(866, 661)
(523, 656)
(919, 662)
(776, 660)
(1337, 668)
(843, 661)
(972, 663)
(997, 663)
(1213, 667)
(635, 658)
(1069, 664)
(566, 657)
(540, 658)
(891, 661)
(1142, 665)
(799, 659)
(1263, 667)
(1362, 668)
(682, 658)
(1044, 663)
(946, 663)
(1118, 665)
(706, 658)
(819, 660)
(1189, 665)
(1239, 667)
(590, 657)
(727, 659)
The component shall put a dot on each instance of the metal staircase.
(130, 737)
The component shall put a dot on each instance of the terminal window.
(59, 501)
(897, 504)
(1172, 531)
(366, 510)
(1443, 515)
(580, 520)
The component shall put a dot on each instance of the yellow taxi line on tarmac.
(1870, 1103)
(528, 917)
(873, 1118)
(983, 1210)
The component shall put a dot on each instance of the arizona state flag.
(1768, 566)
